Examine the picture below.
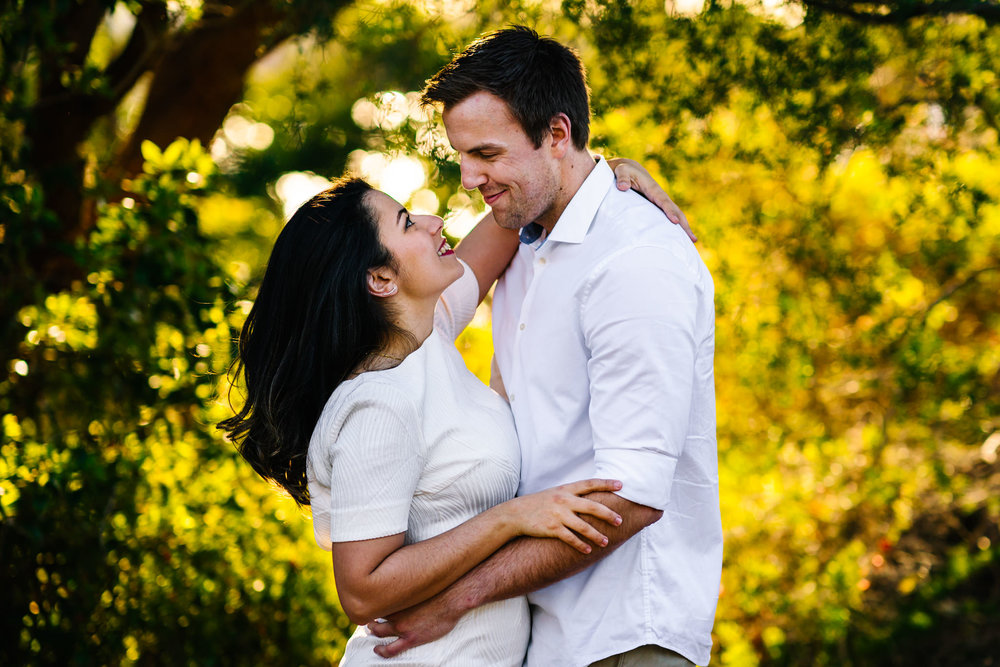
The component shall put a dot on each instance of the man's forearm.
(528, 564)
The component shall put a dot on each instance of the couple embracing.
(570, 514)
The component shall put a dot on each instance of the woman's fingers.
(382, 628)
(629, 174)
(588, 532)
(597, 510)
(567, 536)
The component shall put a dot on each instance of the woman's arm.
(378, 577)
(487, 249)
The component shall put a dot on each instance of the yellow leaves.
(940, 314)
(951, 410)
(737, 651)
(65, 321)
(859, 191)
(908, 292)
(181, 155)
(979, 171)
(907, 585)
(11, 427)
(726, 125)
(475, 344)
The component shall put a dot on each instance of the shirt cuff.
(646, 476)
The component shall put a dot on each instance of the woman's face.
(426, 264)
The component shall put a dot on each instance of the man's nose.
(472, 175)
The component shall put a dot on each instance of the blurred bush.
(130, 530)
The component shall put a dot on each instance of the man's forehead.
(481, 121)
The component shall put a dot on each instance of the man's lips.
(490, 199)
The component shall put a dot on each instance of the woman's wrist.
(506, 520)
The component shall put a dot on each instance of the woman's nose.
(432, 223)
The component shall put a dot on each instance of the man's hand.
(417, 625)
(521, 566)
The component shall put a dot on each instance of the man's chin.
(512, 222)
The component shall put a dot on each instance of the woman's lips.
(444, 249)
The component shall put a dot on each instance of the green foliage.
(131, 531)
(843, 181)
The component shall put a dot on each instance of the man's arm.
(522, 566)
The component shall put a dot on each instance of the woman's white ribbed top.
(419, 449)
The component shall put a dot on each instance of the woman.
(359, 404)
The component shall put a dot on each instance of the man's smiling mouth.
(490, 199)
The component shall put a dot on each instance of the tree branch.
(198, 78)
(146, 43)
(886, 13)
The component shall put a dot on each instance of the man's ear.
(382, 282)
(560, 134)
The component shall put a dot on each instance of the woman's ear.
(381, 282)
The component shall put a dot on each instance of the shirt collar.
(575, 221)
(531, 233)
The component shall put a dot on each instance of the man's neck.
(575, 169)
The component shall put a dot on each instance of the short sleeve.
(365, 471)
(457, 305)
(640, 323)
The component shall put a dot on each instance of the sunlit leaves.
(134, 529)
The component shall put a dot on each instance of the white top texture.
(604, 336)
(419, 449)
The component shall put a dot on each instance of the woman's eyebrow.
(400, 215)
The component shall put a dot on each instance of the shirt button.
(522, 326)
(512, 398)
(541, 260)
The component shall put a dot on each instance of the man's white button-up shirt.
(605, 332)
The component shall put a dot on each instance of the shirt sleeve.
(639, 317)
(374, 462)
(457, 305)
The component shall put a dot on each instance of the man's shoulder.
(627, 218)
(628, 227)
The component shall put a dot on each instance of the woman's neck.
(415, 319)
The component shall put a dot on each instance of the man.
(604, 336)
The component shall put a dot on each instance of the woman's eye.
(408, 223)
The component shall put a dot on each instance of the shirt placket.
(520, 383)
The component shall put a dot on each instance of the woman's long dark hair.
(313, 324)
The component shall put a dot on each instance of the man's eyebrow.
(485, 147)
